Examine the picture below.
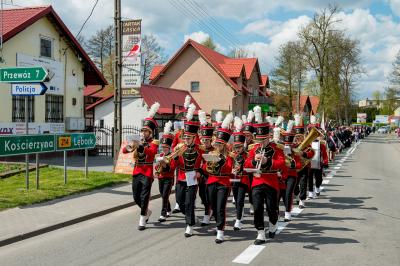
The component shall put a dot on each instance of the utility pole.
(117, 81)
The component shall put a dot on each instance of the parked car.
(383, 130)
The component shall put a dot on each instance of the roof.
(91, 89)
(226, 67)
(264, 80)
(16, 20)
(314, 101)
(150, 93)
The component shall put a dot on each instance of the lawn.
(13, 192)
(5, 167)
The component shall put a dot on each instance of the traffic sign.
(28, 89)
(75, 141)
(22, 74)
(26, 144)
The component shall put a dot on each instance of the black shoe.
(236, 228)
(259, 242)
(219, 241)
(318, 194)
(188, 235)
(204, 224)
(176, 211)
(271, 234)
(141, 228)
(287, 220)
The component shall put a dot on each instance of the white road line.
(281, 226)
(339, 165)
(329, 177)
(325, 182)
(248, 254)
(336, 167)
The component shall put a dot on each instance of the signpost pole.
(65, 167)
(86, 163)
(27, 155)
(37, 170)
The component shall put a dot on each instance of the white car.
(383, 130)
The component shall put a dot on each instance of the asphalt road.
(356, 221)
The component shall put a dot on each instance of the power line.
(87, 19)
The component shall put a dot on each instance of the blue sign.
(28, 89)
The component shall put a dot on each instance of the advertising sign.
(54, 68)
(361, 117)
(131, 55)
(381, 119)
(18, 128)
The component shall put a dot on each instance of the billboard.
(361, 117)
(381, 119)
(131, 56)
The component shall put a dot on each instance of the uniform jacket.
(168, 171)
(240, 160)
(146, 154)
(190, 160)
(219, 172)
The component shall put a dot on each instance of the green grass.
(13, 192)
(5, 167)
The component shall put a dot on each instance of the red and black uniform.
(304, 173)
(323, 163)
(165, 182)
(143, 173)
(265, 187)
(188, 163)
(248, 128)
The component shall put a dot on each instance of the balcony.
(260, 100)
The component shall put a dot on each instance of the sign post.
(86, 163)
(26, 132)
(37, 170)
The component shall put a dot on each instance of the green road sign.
(22, 74)
(26, 144)
(75, 141)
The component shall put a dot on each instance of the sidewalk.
(24, 222)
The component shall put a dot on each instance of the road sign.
(75, 141)
(26, 144)
(28, 89)
(22, 74)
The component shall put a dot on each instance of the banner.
(131, 56)
(361, 117)
(18, 128)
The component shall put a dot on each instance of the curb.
(14, 172)
(77, 220)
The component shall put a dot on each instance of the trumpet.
(257, 169)
(178, 151)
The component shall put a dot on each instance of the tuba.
(312, 135)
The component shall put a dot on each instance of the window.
(46, 47)
(18, 108)
(54, 108)
(194, 86)
(101, 122)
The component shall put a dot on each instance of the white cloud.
(197, 36)
(395, 6)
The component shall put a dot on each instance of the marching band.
(265, 159)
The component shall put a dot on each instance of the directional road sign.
(75, 141)
(26, 144)
(28, 89)
(22, 74)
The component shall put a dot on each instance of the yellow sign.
(64, 142)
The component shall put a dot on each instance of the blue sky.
(260, 26)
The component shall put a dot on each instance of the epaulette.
(280, 146)
(251, 146)
(202, 147)
(156, 142)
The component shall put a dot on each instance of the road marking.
(336, 167)
(325, 182)
(281, 226)
(248, 254)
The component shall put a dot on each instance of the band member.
(248, 131)
(179, 138)
(189, 171)
(306, 156)
(165, 172)
(269, 162)
(144, 153)
(206, 134)
(295, 165)
(318, 163)
(218, 182)
(240, 181)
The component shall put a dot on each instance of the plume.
(153, 110)
(187, 101)
(289, 126)
(167, 127)
(190, 112)
(244, 119)
(227, 121)
(238, 124)
(219, 116)
(202, 117)
(297, 120)
(269, 120)
(313, 119)
(279, 120)
(250, 116)
(257, 114)
(277, 134)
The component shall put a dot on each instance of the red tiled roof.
(91, 89)
(314, 103)
(264, 79)
(155, 71)
(232, 70)
(314, 100)
(217, 61)
(16, 20)
(151, 94)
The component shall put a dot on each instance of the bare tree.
(100, 46)
(152, 54)
(238, 53)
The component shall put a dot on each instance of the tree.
(391, 101)
(377, 96)
(238, 53)
(152, 54)
(209, 43)
(100, 46)
(395, 75)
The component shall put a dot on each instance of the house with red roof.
(37, 36)
(135, 109)
(217, 82)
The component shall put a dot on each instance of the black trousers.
(264, 194)
(288, 194)
(250, 194)
(186, 199)
(239, 194)
(203, 194)
(165, 187)
(218, 195)
(141, 188)
(317, 173)
(303, 183)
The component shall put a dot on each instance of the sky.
(259, 26)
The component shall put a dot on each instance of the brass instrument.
(257, 170)
(178, 151)
(312, 135)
